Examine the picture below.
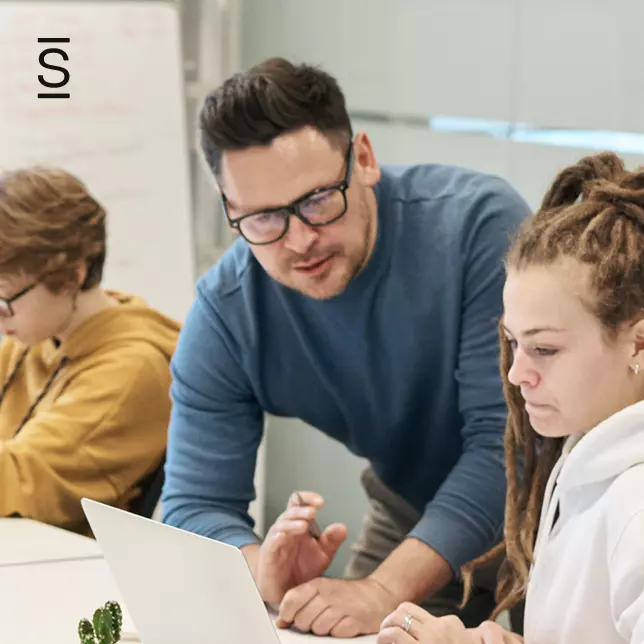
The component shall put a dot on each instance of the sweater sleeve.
(105, 431)
(215, 431)
(464, 519)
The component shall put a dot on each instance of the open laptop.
(178, 586)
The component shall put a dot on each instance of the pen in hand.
(314, 527)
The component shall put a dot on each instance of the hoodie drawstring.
(64, 360)
(549, 508)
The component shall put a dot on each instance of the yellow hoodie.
(102, 421)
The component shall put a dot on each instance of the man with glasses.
(364, 301)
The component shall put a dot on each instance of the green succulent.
(105, 627)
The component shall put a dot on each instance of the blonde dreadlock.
(593, 213)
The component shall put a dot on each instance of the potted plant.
(105, 627)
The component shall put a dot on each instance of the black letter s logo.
(44, 63)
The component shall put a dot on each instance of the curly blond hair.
(49, 227)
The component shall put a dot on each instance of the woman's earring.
(636, 368)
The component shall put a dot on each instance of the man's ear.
(365, 159)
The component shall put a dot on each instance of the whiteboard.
(123, 130)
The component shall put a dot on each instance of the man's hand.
(337, 607)
(289, 555)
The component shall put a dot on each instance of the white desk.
(50, 579)
(26, 541)
(42, 603)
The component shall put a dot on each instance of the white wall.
(570, 63)
(211, 32)
(548, 64)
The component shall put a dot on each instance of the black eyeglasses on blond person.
(319, 207)
(6, 310)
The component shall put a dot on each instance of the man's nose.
(300, 236)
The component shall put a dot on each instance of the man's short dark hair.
(273, 98)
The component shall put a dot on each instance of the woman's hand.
(492, 633)
(410, 624)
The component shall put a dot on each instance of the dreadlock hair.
(594, 214)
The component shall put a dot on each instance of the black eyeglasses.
(6, 310)
(320, 207)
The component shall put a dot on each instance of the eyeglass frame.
(293, 207)
(9, 300)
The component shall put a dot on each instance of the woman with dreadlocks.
(572, 358)
(84, 372)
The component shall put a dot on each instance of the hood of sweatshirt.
(601, 455)
(131, 321)
(594, 459)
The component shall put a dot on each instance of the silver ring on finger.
(406, 623)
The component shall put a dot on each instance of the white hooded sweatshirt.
(587, 582)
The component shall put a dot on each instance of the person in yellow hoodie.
(84, 372)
